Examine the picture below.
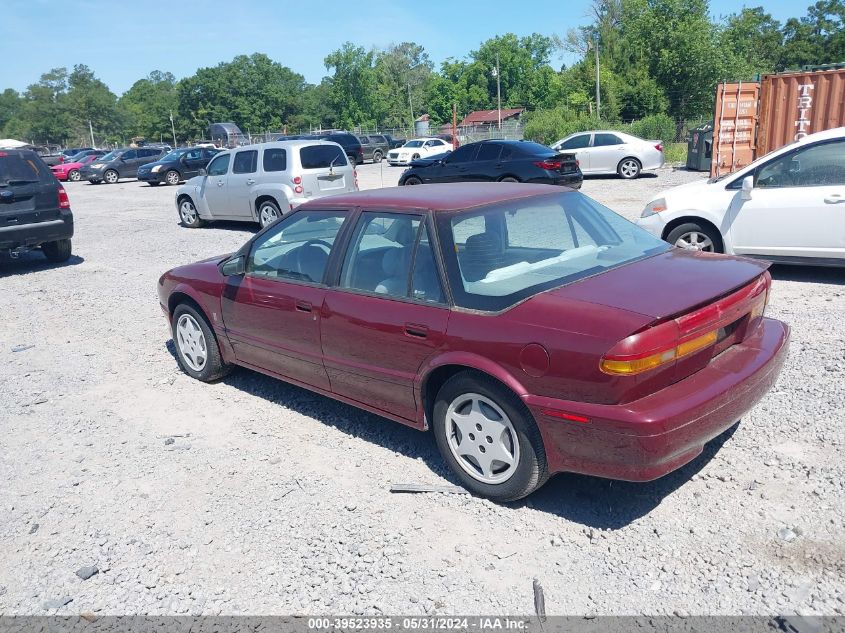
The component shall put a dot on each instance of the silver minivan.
(260, 183)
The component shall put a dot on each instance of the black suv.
(374, 146)
(34, 207)
(351, 145)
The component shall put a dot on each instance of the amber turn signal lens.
(700, 342)
(631, 367)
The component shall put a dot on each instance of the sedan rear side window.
(245, 162)
(322, 156)
(605, 140)
(275, 159)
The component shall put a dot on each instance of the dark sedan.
(502, 161)
(533, 330)
(178, 165)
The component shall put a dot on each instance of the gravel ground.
(253, 496)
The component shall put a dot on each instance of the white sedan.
(788, 206)
(608, 152)
(417, 148)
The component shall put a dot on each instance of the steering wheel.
(311, 242)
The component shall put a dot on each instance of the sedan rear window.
(20, 168)
(499, 255)
(321, 156)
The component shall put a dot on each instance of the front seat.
(396, 264)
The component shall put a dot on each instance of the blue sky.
(123, 41)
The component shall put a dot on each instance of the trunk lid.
(667, 284)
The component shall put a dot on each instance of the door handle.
(834, 198)
(250, 182)
(415, 330)
(303, 306)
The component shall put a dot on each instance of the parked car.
(120, 163)
(610, 152)
(50, 156)
(532, 329)
(34, 207)
(76, 158)
(259, 183)
(394, 142)
(374, 146)
(73, 151)
(417, 148)
(502, 161)
(349, 142)
(178, 165)
(451, 139)
(787, 206)
(72, 170)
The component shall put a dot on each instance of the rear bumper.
(32, 235)
(649, 438)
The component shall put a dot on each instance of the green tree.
(817, 38)
(148, 104)
(403, 74)
(44, 115)
(10, 107)
(755, 37)
(90, 100)
(353, 86)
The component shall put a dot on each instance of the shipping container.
(793, 105)
(734, 126)
(755, 118)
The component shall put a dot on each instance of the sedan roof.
(438, 197)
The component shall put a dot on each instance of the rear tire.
(471, 394)
(196, 346)
(629, 168)
(268, 212)
(509, 179)
(377, 156)
(57, 252)
(692, 236)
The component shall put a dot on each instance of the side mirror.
(747, 187)
(203, 172)
(236, 266)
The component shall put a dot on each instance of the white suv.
(788, 206)
(260, 183)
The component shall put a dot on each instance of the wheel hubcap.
(268, 215)
(629, 168)
(695, 241)
(111, 177)
(482, 438)
(74, 176)
(188, 212)
(191, 342)
(173, 178)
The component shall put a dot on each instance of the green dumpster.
(700, 147)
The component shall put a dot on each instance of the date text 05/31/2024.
(438, 623)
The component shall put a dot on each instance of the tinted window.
(194, 154)
(364, 139)
(576, 142)
(379, 258)
(321, 156)
(463, 154)
(603, 140)
(208, 154)
(219, 165)
(343, 139)
(520, 248)
(275, 159)
(147, 153)
(297, 247)
(377, 138)
(816, 166)
(245, 162)
(129, 155)
(21, 167)
(488, 151)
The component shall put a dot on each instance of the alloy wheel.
(482, 438)
(172, 178)
(267, 215)
(111, 177)
(74, 175)
(629, 168)
(695, 241)
(191, 342)
(188, 212)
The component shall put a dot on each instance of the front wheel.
(509, 179)
(172, 177)
(412, 180)
(695, 237)
(488, 438)
(268, 213)
(58, 251)
(111, 176)
(189, 215)
(196, 345)
(629, 168)
(74, 175)
(415, 157)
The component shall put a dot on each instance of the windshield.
(499, 255)
(414, 144)
(174, 155)
(110, 156)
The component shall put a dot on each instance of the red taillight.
(689, 333)
(298, 189)
(355, 176)
(64, 202)
(61, 159)
(551, 165)
(297, 180)
(659, 147)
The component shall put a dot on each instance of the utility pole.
(598, 78)
(173, 129)
(410, 105)
(499, 91)
(91, 129)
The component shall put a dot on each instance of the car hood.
(665, 285)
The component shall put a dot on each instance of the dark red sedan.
(532, 329)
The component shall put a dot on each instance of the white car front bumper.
(654, 224)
